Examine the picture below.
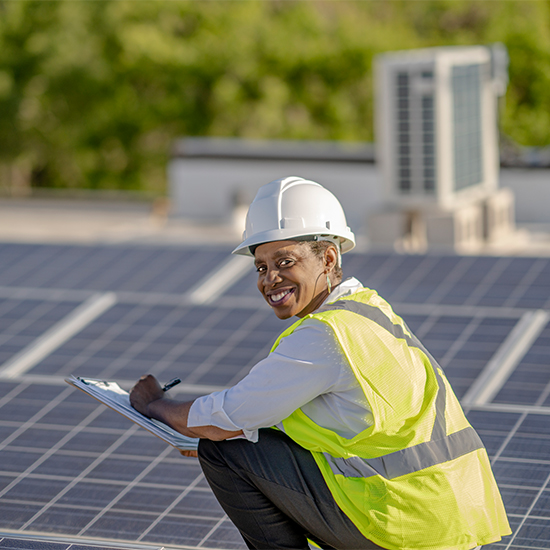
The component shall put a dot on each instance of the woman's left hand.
(146, 390)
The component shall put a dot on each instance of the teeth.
(278, 297)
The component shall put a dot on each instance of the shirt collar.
(346, 288)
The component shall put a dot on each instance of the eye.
(260, 269)
(286, 262)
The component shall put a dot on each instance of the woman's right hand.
(193, 454)
(146, 390)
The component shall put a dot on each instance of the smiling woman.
(371, 447)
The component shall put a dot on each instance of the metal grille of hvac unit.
(416, 166)
(467, 133)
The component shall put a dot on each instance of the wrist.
(154, 409)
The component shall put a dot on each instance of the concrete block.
(499, 216)
(461, 229)
(386, 228)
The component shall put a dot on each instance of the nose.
(272, 277)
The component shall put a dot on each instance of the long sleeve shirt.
(307, 370)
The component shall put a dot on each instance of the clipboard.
(114, 397)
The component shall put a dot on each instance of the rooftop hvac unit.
(436, 126)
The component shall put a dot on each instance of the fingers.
(193, 454)
(150, 382)
(147, 384)
(146, 390)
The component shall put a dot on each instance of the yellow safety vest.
(419, 477)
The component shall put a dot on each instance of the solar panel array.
(76, 472)
(438, 279)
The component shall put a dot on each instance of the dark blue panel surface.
(204, 345)
(518, 445)
(37, 543)
(98, 480)
(529, 384)
(23, 321)
(124, 268)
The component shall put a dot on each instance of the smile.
(280, 297)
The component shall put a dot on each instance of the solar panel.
(519, 445)
(458, 280)
(463, 345)
(69, 467)
(22, 321)
(201, 345)
(529, 384)
(138, 268)
(14, 542)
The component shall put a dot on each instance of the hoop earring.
(329, 284)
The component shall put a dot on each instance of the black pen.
(171, 384)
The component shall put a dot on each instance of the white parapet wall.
(209, 178)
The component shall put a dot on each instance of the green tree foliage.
(93, 93)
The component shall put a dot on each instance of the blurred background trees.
(93, 93)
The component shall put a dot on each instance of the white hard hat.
(290, 208)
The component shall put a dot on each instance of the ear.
(331, 258)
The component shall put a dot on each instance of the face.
(291, 278)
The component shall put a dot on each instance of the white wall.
(531, 187)
(201, 189)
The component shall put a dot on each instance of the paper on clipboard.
(112, 395)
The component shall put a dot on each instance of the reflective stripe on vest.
(440, 448)
(409, 460)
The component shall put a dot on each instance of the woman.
(370, 448)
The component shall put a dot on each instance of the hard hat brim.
(347, 242)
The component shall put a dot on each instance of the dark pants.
(275, 494)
